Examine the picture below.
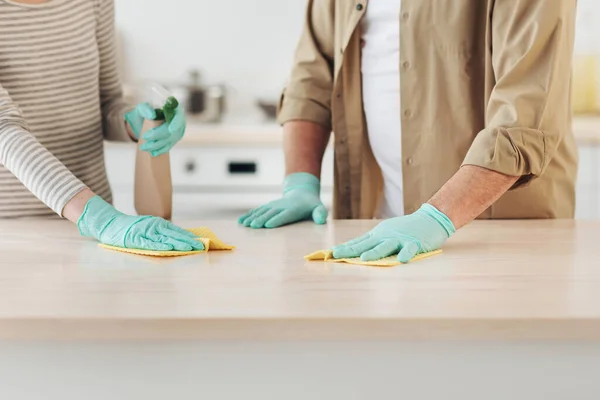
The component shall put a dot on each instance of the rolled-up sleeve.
(529, 109)
(307, 96)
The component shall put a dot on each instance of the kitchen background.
(242, 52)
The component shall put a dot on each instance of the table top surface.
(510, 279)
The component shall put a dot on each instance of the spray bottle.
(153, 193)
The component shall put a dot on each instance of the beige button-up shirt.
(483, 82)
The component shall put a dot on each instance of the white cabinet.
(588, 183)
(213, 182)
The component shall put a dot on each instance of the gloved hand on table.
(424, 231)
(159, 140)
(300, 202)
(103, 222)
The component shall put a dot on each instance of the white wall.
(248, 44)
(588, 27)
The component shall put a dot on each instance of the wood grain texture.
(495, 280)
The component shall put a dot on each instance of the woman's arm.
(76, 205)
(114, 106)
(38, 169)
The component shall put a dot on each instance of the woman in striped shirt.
(60, 97)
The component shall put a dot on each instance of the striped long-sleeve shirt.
(60, 96)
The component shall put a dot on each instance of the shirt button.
(407, 113)
(405, 64)
(405, 15)
(362, 43)
(410, 161)
(359, 7)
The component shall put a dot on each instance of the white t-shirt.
(380, 68)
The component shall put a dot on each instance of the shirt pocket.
(456, 27)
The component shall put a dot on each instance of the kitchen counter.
(495, 280)
(585, 128)
(256, 133)
(228, 133)
(511, 310)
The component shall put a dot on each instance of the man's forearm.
(304, 145)
(470, 192)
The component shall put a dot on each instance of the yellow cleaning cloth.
(392, 261)
(206, 236)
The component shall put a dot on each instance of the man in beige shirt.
(485, 119)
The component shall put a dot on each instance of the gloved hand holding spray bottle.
(158, 125)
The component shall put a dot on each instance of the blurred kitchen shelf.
(586, 129)
(226, 135)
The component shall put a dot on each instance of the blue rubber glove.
(159, 140)
(421, 232)
(103, 222)
(300, 202)
(135, 118)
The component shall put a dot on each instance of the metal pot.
(205, 103)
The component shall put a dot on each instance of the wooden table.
(510, 310)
